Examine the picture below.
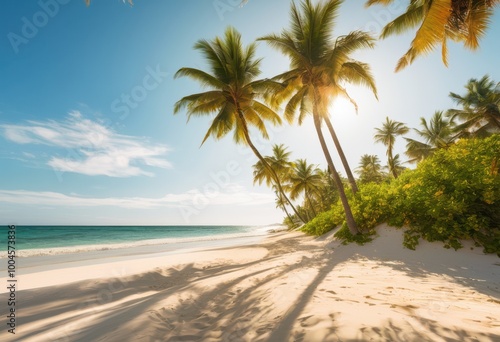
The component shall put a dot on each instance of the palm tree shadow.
(236, 309)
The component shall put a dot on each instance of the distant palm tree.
(438, 133)
(369, 169)
(319, 68)
(305, 179)
(281, 164)
(480, 111)
(233, 93)
(439, 20)
(387, 136)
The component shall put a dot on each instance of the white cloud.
(92, 149)
(234, 195)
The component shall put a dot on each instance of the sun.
(342, 111)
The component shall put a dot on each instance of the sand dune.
(289, 288)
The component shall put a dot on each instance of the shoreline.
(287, 287)
(163, 241)
(46, 262)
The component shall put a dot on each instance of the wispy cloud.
(232, 194)
(92, 148)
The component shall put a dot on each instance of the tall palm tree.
(370, 169)
(387, 136)
(281, 164)
(306, 180)
(320, 66)
(438, 133)
(480, 107)
(437, 21)
(233, 93)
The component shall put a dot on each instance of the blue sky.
(87, 128)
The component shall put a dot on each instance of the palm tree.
(280, 163)
(387, 136)
(319, 68)
(438, 133)
(480, 108)
(304, 179)
(369, 169)
(233, 93)
(439, 20)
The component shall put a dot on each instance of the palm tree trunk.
(283, 206)
(390, 162)
(351, 223)
(306, 194)
(264, 162)
(340, 151)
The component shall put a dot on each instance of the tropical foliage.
(438, 21)
(453, 194)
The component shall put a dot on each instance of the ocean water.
(49, 240)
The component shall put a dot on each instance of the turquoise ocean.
(49, 240)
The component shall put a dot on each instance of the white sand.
(289, 288)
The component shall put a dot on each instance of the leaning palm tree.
(387, 136)
(280, 163)
(233, 93)
(480, 113)
(319, 69)
(437, 21)
(437, 133)
(305, 179)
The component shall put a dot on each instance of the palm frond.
(197, 99)
(358, 73)
(431, 32)
(406, 21)
(222, 123)
(204, 78)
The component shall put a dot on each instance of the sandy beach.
(288, 287)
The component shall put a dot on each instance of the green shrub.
(370, 207)
(345, 235)
(453, 195)
(324, 222)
